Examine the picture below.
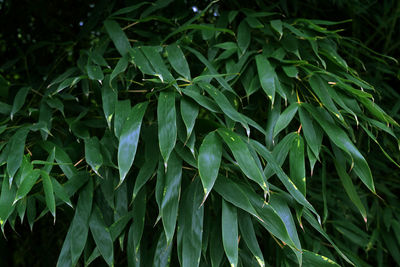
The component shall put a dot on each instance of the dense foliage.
(173, 134)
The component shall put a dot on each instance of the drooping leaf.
(189, 112)
(167, 132)
(285, 118)
(129, 139)
(230, 232)
(101, 235)
(19, 100)
(266, 74)
(119, 38)
(92, 154)
(16, 151)
(243, 157)
(178, 60)
(49, 193)
(209, 160)
(170, 198)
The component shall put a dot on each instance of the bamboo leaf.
(19, 100)
(189, 112)
(167, 131)
(243, 157)
(230, 232)
(49, 193)
(285, 118)
(178, 61)
(117, 36)
(266, 74)
(209, 160)
(92, 154)
(129, 139)
(170, 198)
(101, 235)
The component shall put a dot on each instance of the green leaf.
(212, 70)
(178, 61)
(79, 227)
(319, 86)
(139, 212)
(340, 138)
(347, 183)
(285, 118)
(129, 139)
(309, 131)
(109, 99)
(189, 112)
(27, 183)
(121, 66)
(209, 161)
(166, 117)
(266, 74)
(291, 71)
(162, 253)
(235, 194)
(122, 110)
(156, 61)
(118, 37)
(60, 192)
(243, 157)
(314, 259)
(16, 151)
(49, 193)
(19, 100)
(286, 181)
(140, 60)
(243, 36)
(101, 235)
(297, 164)
(225, 105)
(94, 72)
(6, 201)
(92, 154)
(193, 92)
(277, 26)
(230, 232)
(170, 198)
(193, 225)
(247, 233)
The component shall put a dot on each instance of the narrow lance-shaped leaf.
(266, 74)
(189, 112)
(243, 157)
(7, 197)
(285, 118)
(27, 184)
(94, 72)
(129, 138)
(247, 232)
(109, 99)
(121, 66)
(225, 105)
(348, 185)
(156, 61)
(193, 226)
(178, 60)
(287, 182)
(170, 198)
(340, 138)
(92, 154)
(162, 253)
(230, 232)
(19, 100)
(122, 109)
(49, 193)
(166, 116)
(209, 161)
(119, 38)
(16, 151)
(80, 223)
(101, 235)
(243, 36)
(297, 164)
